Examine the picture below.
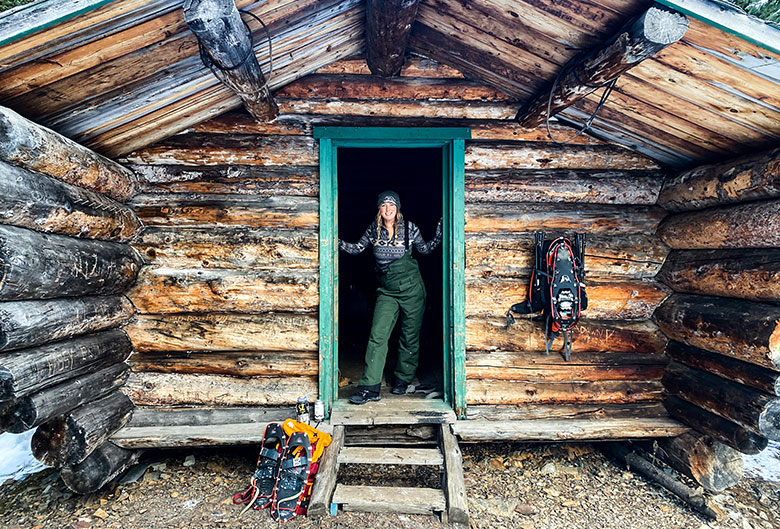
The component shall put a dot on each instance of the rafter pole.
(388, 24)
(227, 48)
(655, 29)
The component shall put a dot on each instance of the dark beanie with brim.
(388, 196)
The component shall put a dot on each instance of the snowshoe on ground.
(293, 475)
(260, 493)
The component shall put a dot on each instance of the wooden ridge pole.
(226, 47)
(654, 30)
(388, 24)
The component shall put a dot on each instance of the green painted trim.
(29, 29)
(327, 329)
(392, 134)
(457, 255)
(731, 20)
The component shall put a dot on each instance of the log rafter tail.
(655, 29)
(388, 25)
(225, 44)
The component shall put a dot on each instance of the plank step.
(404, 500)
(391, 456)
(406, 410)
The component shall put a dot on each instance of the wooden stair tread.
(406, 500)
(395, 410)
(391, 456)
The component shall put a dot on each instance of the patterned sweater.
(385, 251)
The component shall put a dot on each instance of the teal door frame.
(451, 141)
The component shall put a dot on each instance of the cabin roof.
(118, 75)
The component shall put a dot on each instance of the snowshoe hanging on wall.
(557, 289)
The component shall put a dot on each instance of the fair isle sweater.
(387, 251)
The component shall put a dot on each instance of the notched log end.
(663, 26)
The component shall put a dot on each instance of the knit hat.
(389, 196)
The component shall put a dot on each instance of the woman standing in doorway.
(401, 292)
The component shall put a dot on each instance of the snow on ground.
(16, 459)
(765, 465)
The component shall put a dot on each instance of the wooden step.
(408, 410)
(390, 456)
(403, 500)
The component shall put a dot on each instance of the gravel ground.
(509, 485)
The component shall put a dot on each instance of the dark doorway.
(416, 175)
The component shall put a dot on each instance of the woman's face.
(388, 211)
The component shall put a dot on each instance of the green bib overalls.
(401, 291)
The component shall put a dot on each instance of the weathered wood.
(405, 410)
(174, 389)
(30, 323)
(634, 461)
(387, 33)
(752, 177)
(744, 330)
(390, 456)
(747, 407)
(404, 500)
(723, 430)
(655, 29)
(25, 143)
(38, 266)
(225, 45)
(172, 290)
(748, 225)
(159, 417)
(319, 505)
(565, 412)
(42, 203)
(227, 210)
(454, 486)
(25, 413)
(28, 370)
(563, 185)
(616, 300)
(239, 248)
(606, 257)
(708, 462)
(491, 334)
(600, 392)
(574, 428)
(761, 378)
(224, 332)
(594, 219)
(69, 439)
(102, 465)
(239, 364)
(752, 274)
(383, 435)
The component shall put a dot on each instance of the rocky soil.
(509, 485)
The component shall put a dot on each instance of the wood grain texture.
(387, 33)
(233, 363)
(602, 392)
(102, 465)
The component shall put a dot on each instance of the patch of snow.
(764, 465)
(17, 460)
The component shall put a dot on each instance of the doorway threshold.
(398, 410)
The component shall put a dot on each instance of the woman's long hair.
(379, 223)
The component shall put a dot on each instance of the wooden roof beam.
(225, 43)
(388, 24)
(654, 30)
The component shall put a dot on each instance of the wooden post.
(388, 24)
(651, 32)
(326, 477)
(102, 465)
(708, 462)
(25, 143)
(224, 43)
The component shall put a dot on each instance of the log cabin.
(177, 176)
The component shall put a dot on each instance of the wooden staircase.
(449, 500)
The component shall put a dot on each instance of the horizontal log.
(752, 274)
(37, 148)
(25, 413)
(26, 371)
(239, 248)
(710, 463)
(583, 367)
(30, 323)
(491, 334)
(760, 378)
(563, 185)
(224, 332)
(618, 300)
(102, 465)
(744, 330)
(601, 392)
(227, 210)
(717, 427)
(38, 266)
(512, 254)
(594, 219)
(163, 290)
(745, 406)
(42, 203)
(159, 417)
(69, 439)
(752, 177)
(514, 413)
(174, 389)
(346, 110)
(238, 364)
(749, 225)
